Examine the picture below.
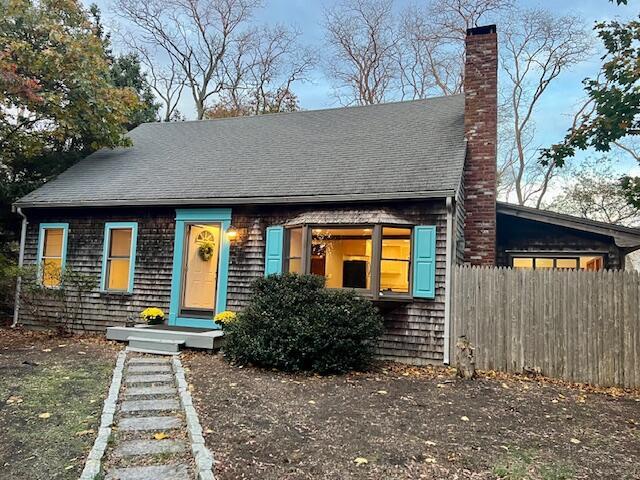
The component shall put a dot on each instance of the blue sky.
(552, 115)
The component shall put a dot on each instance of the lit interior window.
(567, 263)
(52, 257)
(294, 254)
(119, 259)
(543, 263)
(523, 263)
(342, 256)
(396, 260)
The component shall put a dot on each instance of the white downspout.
(23, 238)
(447, 281)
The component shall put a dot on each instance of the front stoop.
(165, 340)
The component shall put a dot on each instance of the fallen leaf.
(361, 461)
(82, 353)
(62, 345)
(382, 392)
(160, 436)
(14, 399)
(82, 433)
(68, 467)
(46, 349)
(430, 443)
(504, 385)
(464, 419)
(440, 385)
(44, 415)
(576, 441)
(208, 431)
(430, 460)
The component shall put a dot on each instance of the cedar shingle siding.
(414, 330)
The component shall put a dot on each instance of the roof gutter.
(23, 237)
(296, 199)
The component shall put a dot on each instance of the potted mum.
(152, 316)
(224, 319)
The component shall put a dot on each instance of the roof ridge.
(330, 109)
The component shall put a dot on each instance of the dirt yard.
(410, 423)
(51, 393)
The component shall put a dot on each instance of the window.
(293, 255)
(342, 256)
(395, 262)
(52, 250)
(119, 257)
(376, 260)
(560, 263)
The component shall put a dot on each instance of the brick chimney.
(480, 125)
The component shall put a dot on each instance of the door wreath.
(206, 249)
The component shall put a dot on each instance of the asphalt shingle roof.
(396, 150)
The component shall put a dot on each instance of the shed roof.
(625, 237)
(400, 150)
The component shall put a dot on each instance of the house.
(384, 199)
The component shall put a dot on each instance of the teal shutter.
(273, 251)
(424, 261)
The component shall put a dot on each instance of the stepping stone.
(149, 369)
(149, 405)
(165, 472)
(149, 423)
(148, 447)
(148, 360)
(157, 390)
(161, 377)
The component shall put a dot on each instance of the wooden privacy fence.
(575, 325)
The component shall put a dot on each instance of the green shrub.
(293, 323)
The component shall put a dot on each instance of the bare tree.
(431, 57)
(198, 35)
(536, 48)
(591, 190)
(362, 39)
(261, 77)
(167, 81)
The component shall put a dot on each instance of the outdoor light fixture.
(232, 233)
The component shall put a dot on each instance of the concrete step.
(151, 472)
(149, 423)
(149, 368)
(152, 390)
(207, 339)
(157, 344)
(158, 378)
(148, 447)
(148, 360)
(149, 405)
(154, 352)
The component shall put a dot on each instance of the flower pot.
(155, 320)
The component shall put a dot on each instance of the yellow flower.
(225, 318)
(151, 312)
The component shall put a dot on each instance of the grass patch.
(70, 394)
(525, 465)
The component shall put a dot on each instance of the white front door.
(201, 267)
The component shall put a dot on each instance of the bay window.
(375, 260)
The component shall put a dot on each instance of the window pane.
(544, 262)
(295, 265)
(591, 263)
(295, 242)
(118, 274)
(53, 242)
(51, 272)
(396, 257)
(120, 242)
(523, 263)
(343, 256)
(567, 263)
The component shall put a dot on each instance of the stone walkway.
(152, 431)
